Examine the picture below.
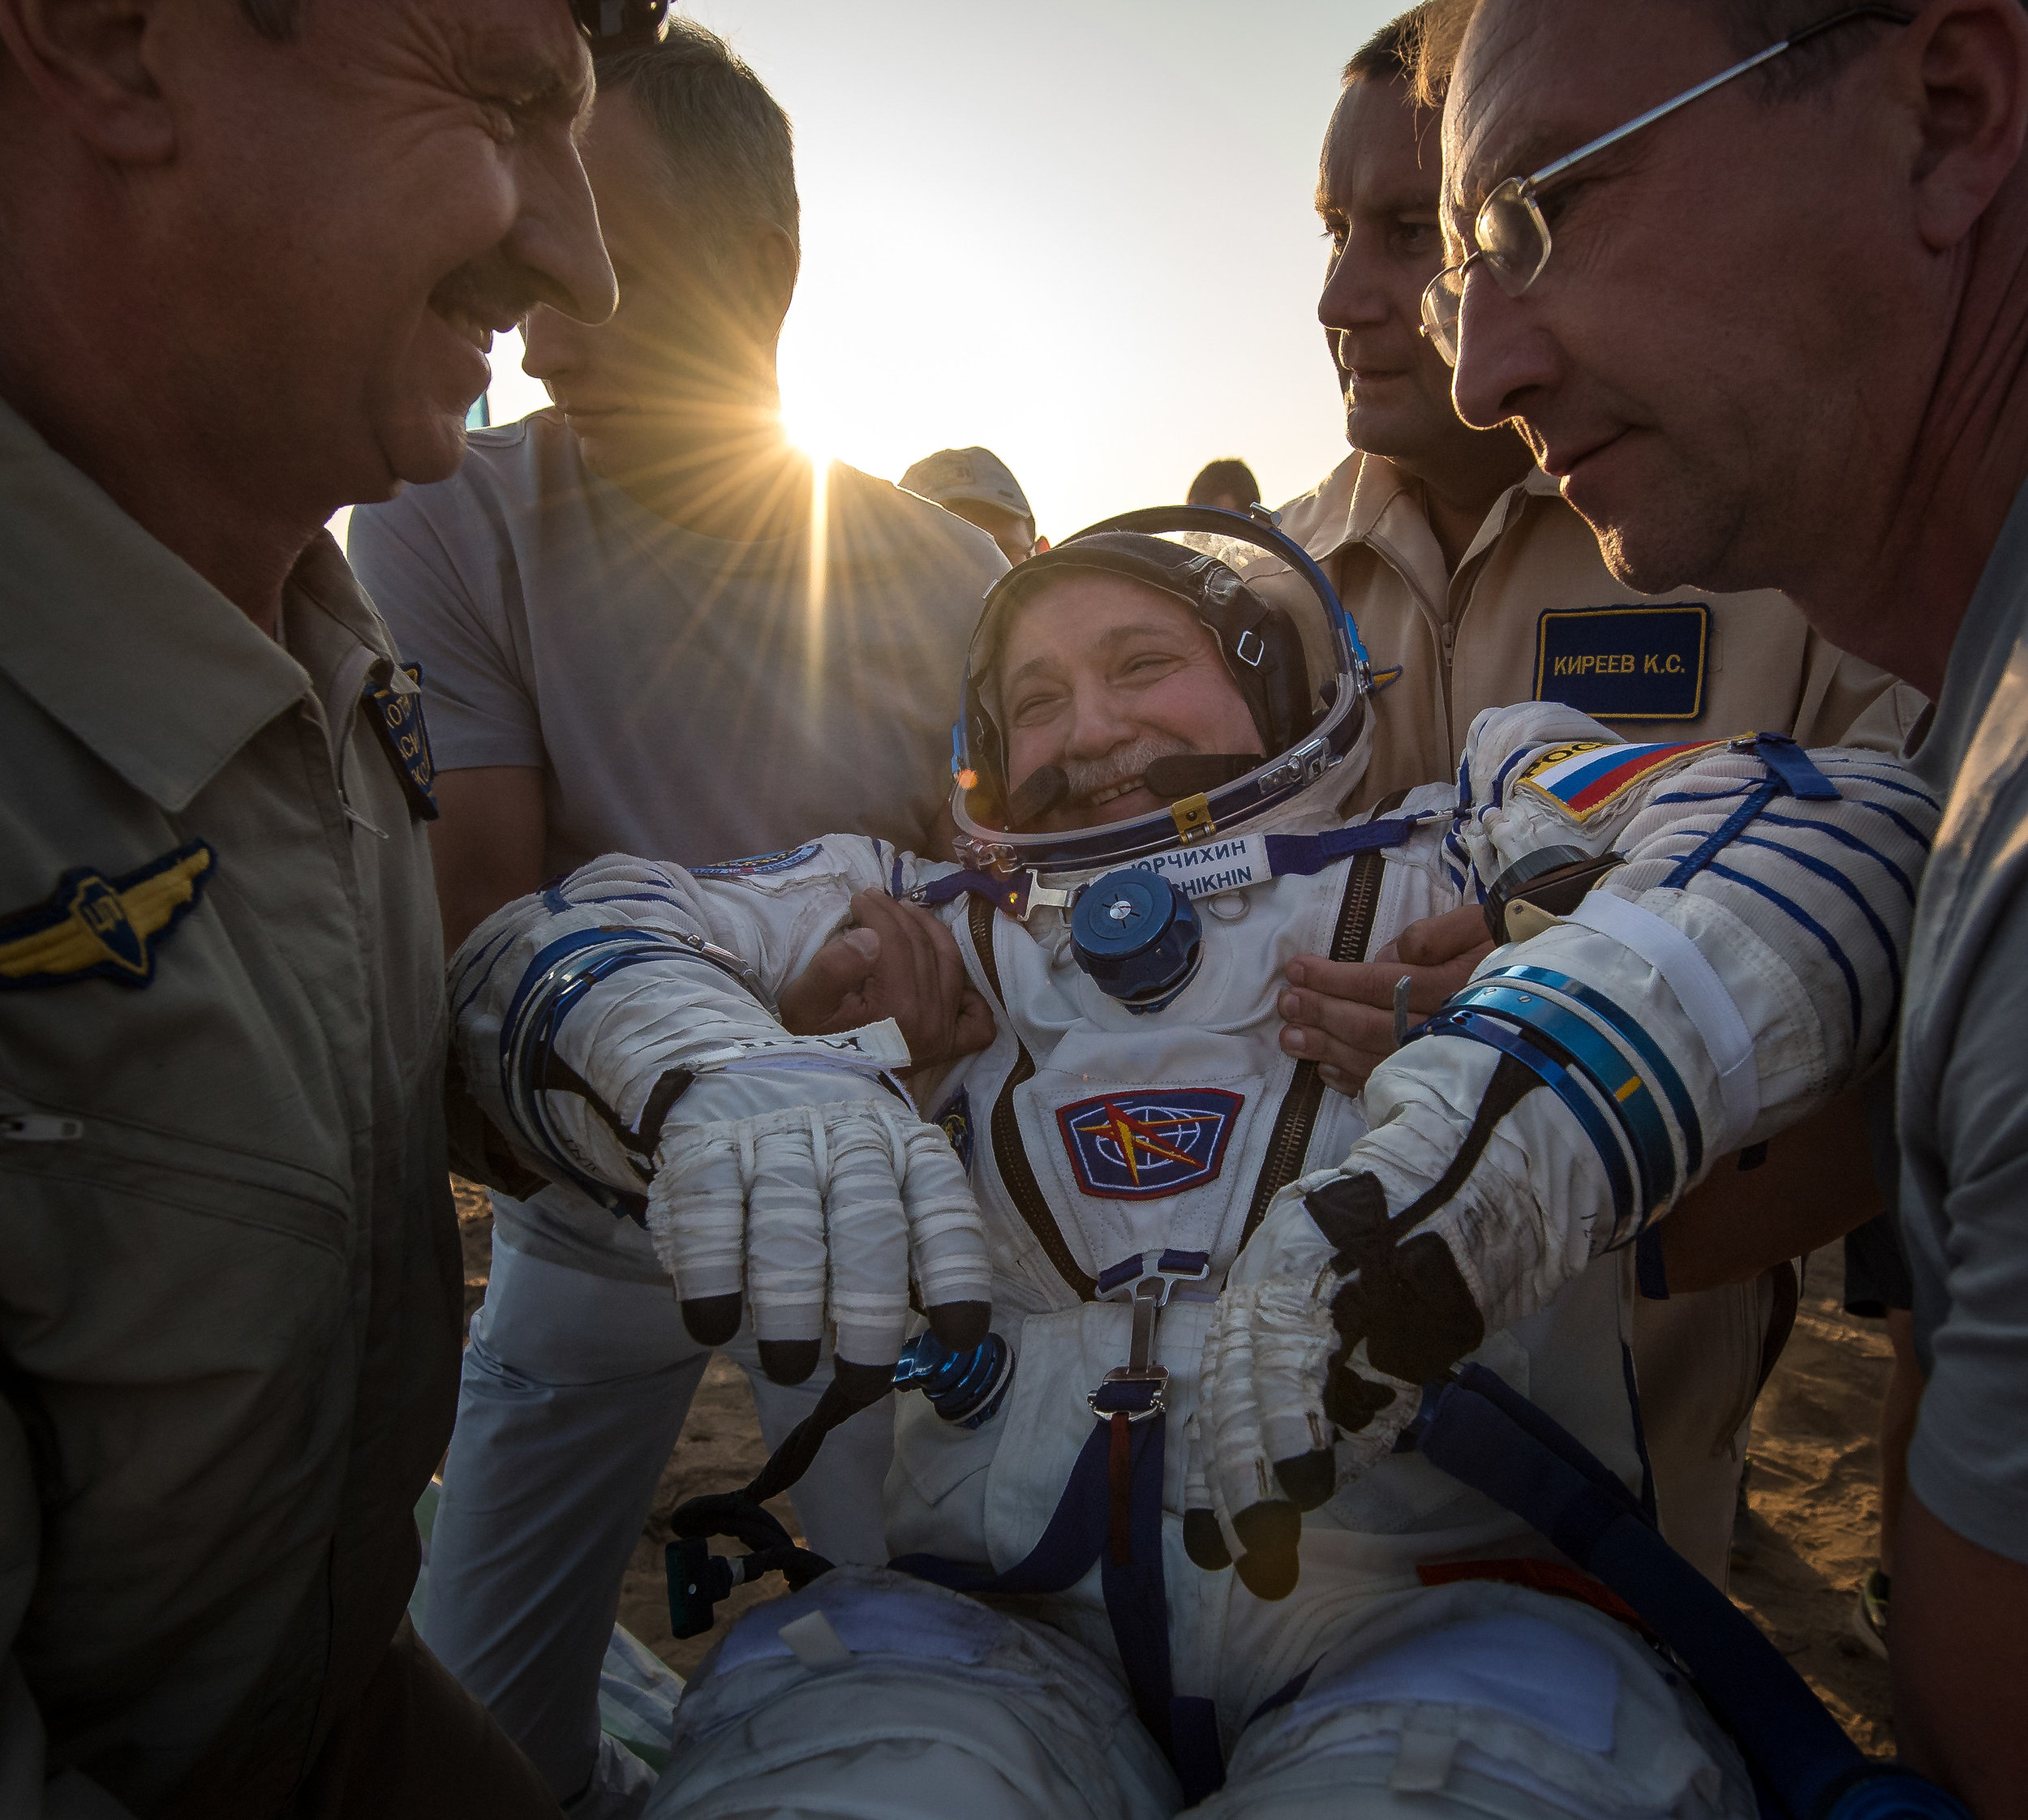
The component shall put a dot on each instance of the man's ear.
(772, 262)
(89, 61)
(1965, 63)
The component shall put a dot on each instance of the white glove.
(1743, 967)
(807, 1209)
(623, 1052)
(1334, 1316)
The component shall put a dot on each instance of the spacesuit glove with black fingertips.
(626, 1053)
(1358, 1290)
(816, 1211)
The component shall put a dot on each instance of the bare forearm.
(487, 843)
(1960, 1663)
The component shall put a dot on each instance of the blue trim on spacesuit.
(1721, 837)
(1811, 864)
(1636, 1039)
(1850, 842)
(1619, 1083)
(1804, 920)
(1567, 1085)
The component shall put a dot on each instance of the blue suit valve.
(964, 1387)
(1137, 937)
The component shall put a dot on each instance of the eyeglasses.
(1511, 236)
(619, 24)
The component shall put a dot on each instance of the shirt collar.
(123, 644)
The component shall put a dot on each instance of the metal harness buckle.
(1136, 1389)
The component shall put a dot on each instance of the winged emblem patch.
(94, 927)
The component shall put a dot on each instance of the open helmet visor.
(1302, 672)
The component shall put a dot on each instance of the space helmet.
(1298, 663)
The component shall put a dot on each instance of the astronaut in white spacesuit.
(1215, 1288)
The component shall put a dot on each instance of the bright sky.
(1078, 231)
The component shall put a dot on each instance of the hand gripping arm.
(613, 1032)
(1742, 966)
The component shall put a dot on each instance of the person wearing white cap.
(980, 488)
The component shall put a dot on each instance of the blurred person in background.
(980, 488)
(648, 626)
(250, 258)
(1227, 483)
(1474, 586)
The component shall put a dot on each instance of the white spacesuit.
(1217, 1287)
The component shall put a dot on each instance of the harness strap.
(1289, 1143)
(1483, 1433)
(1082, 1531)
(1010, 1156)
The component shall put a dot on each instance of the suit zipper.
(1290, 1142)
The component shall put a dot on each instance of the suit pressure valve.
(1137, 937)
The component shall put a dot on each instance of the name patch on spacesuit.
(758, 865)
(1142, 1144)
(1587, 775)
(1219, 866)
(1624, 663)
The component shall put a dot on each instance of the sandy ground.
(1812, 1490)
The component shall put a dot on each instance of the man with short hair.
(1227, 483)
(1476, 585)
(979, 487)
(648, 624)
(1773, 336)
(253, 255)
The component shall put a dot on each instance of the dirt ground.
(1812, 1489)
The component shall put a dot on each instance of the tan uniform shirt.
(1533, 613)
(229, 1286)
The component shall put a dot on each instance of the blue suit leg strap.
(1483, 1433)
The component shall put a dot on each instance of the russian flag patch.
(1587, 775)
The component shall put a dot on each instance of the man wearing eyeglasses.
(1750, 280)
(1472, 581)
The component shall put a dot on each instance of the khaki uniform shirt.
(229, 1286)
(1533, 613)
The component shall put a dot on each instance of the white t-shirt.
(686, 698)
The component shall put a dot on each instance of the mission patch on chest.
(1625, 662)
(1140, 1145)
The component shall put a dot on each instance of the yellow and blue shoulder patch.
(1587, 775)
(92, 927)
(404, 737)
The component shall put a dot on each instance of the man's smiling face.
(357, 211)
(1101, 676)
(1697, 364)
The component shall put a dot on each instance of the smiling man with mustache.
(251, 256)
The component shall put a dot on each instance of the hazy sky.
(1078, 231)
